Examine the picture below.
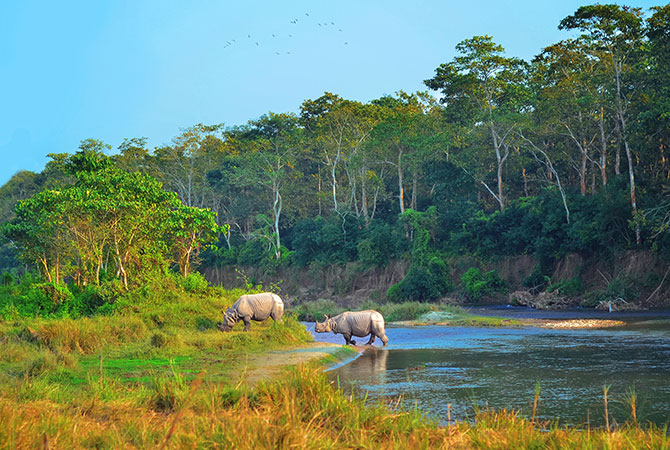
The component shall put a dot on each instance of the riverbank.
(162, 376)
(302, 410)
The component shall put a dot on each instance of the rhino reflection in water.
(257, 307)
(358, 323)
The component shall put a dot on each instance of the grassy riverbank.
(158, 373)
(302, 410)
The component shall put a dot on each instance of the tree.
(109, 219)
(491, 86)
(613, 34)
(339, 128)
(276, 140)
(570, 104)
(183, 166)
(192, 230)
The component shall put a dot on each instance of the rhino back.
(358, 323)
(256, 306)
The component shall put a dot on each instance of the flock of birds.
(258, 43)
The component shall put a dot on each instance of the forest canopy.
(502, 156)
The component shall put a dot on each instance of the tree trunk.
(414, 184)
(277, 207)
(401, 191)
(364, 198)
(603, 147)
(582, 174)
(525, 181)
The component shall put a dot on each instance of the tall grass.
(157, 374)
(302, 410)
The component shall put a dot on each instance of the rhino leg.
(347, 338)
(247, 323)
(372, 339)
(384, 339)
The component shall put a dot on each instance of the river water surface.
(452, 370)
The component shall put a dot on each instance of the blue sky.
(110, 70)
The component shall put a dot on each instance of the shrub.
(205, 323)
(477, 284)
(620, 289)
(571, 287)
(158, 339)
(46, 299)
(537, 281)
(422, 282)
(316, 310)
(194, 283)
(6, 279)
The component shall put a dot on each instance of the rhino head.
(324, 327)
(228, 322)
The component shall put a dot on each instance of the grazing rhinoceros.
(358, 323)
(256, 307)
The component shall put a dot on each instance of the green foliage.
(477, 285)
(428, 275)
(333, 240)
(537, 281)
(327, 187)
(571, 287)
(621, 289)
(382, 243)
(108, 214)
(194, 282)
(6, 279)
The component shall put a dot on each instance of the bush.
(159, 339)
(205, 323)
(620, 289)
(6, 279)
(477, 284)
(46, 299)
(316, 310)
(537, 281)
(422, 282)
(194, 283)
(571, 287)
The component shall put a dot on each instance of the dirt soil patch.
(271, 364)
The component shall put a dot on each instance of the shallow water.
(433, 367)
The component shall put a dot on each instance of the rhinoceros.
(250, 307)
(355, 323)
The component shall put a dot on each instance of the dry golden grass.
(300, 411)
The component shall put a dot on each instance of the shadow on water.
(433, 367)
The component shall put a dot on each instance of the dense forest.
(500, 157)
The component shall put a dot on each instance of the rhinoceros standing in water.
(250, 307)
(358, 323)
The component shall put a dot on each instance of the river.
(451, 371)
